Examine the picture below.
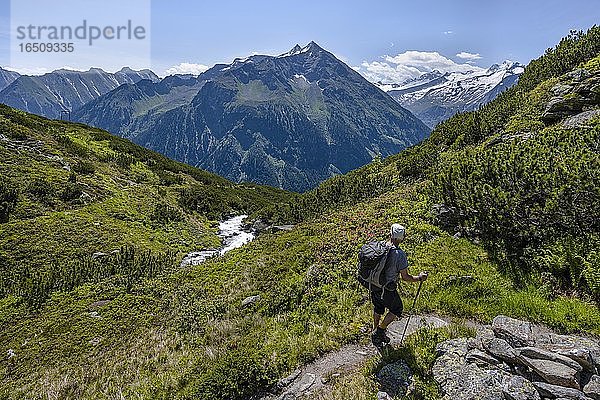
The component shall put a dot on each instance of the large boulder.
(500, 348)
(519, 388)
(517, 333)
(250, 300)
(581, 355)
(579, 74)
(541, 354)
(474, 383)
(450, 360)
(580, 120)
(583, 350)
(557, 392)
(583, 92)
(481, 358)
(394, 379)
(592, 389)
(553, 372)
(462, 380)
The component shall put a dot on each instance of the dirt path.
(313, 377)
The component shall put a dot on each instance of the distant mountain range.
(63, 89)
(289, 121)
(7, 77)
(435, 96)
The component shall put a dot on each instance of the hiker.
(385, 294)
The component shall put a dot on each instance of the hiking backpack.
(371, 263)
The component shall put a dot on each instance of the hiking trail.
(313, 377)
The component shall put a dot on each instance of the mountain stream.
(232, 235)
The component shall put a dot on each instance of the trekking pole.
(411, 311)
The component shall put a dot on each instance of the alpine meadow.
(501, 207)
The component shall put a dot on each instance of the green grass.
(197, 337)
(82, 191)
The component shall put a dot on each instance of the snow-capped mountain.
(435, 96)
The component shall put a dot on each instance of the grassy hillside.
(69, 191)
(519, 188)
(185, 335)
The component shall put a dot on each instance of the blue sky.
(361, 33)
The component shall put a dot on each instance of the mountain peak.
(506, 65)
(312, 46)
(92, 69)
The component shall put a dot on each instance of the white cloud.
(28, 71)
(187, 68)
(448, 32)
(468, 56)
(381, 71)
(410, 64)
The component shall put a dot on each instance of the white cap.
(397, 231)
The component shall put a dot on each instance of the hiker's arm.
(412, 278)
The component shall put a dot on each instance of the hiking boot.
(376, 340)
(379, 338)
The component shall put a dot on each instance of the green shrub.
(164, 214)
(9, 196)
(521, 195)
(71, 192)
(239, 374)
(13, 131)
(42, 189)
(168, 178)
(142, 174)
(70, 146)
(206, 201)
(124, 160)
(124, 268)
(84, 167)
(575, 261)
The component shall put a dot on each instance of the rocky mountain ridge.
(65, 90)
(7, 77)
(288, 121)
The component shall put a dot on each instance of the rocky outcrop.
(250, 300)
(579, 91)
(517, 360)
(580, 120)
(516, 333)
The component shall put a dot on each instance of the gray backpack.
(371, 263)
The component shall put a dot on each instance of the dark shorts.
(391, 300)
